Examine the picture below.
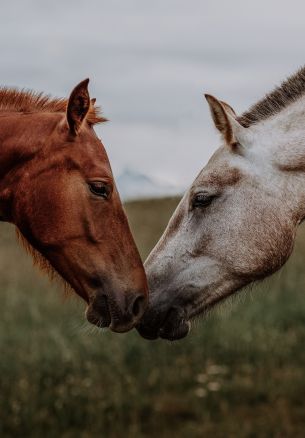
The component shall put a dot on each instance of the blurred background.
(240, 373)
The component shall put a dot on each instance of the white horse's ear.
(224, 118)
(228, 109)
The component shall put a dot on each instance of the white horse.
(237, 223)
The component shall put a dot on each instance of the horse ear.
(225, 121)
(228, 109)
(78, 106)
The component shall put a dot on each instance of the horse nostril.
(138, 306)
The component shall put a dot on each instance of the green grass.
(240, 373)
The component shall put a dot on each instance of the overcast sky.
(150, 62)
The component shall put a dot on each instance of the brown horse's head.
(58, 189)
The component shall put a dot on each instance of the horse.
(237, 222)
(57, 188)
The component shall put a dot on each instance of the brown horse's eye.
(100, 188)
(202, 199)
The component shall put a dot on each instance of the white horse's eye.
(202, 200)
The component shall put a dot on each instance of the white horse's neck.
(277, 153)
(284, 128)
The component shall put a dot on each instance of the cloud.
(149, 64)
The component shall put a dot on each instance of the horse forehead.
(90, 153)
(85, 154)
(220, 171)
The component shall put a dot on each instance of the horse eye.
(99, 188)
(202, 200)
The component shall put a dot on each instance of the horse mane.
(288, 92)
(24, 101)
(42, 263)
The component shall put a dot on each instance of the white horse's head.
(237, 222)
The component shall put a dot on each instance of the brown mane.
(25, 101)
(288, 92)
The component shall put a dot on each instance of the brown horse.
(57, 187)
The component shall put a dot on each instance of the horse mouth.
(175, 333)
(172, 327)
(98, 313)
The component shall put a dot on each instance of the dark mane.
(12, 99)
(288, 92)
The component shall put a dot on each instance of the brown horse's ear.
(78, 106)
(225, 121)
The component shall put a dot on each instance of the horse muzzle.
(119, 315)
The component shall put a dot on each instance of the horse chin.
(100, 318)
(173, 326)
(175, 333)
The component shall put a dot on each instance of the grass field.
(240, 373)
